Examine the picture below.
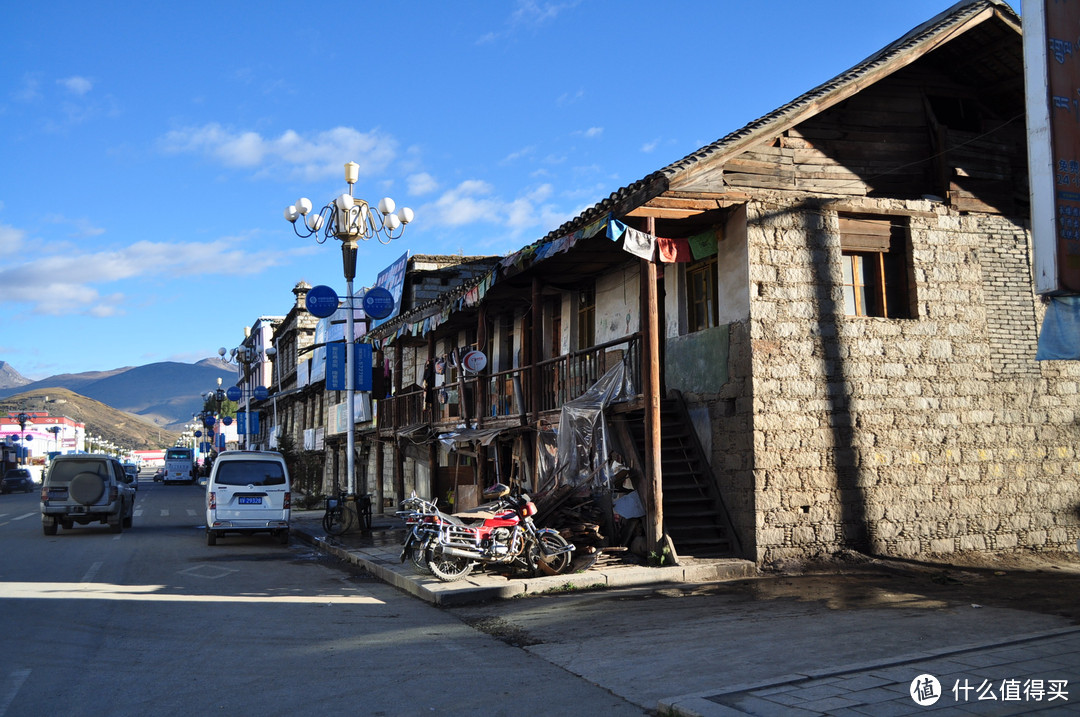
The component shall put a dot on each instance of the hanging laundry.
(703, 245)
(615, 230)
(639, 243)
(673, 250)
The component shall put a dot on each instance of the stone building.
(838, 299)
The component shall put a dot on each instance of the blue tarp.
(1059, 339)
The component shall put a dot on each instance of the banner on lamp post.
(336, 370)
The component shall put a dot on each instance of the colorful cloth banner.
(615, 230)
(594, 228)
(674, 250)
(703, 245)
(639, 243)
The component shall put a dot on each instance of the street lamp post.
(23, 420)
(349, 220)
(271, 353)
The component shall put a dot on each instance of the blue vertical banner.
(336, 369)
(363, 367)
(245, 427)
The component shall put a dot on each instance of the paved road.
(154, 621)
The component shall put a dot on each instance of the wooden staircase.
(695, 518)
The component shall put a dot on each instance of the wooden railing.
(507, 394)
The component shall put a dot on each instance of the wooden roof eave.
(683, 178)
(683, 205)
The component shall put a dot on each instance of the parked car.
(84, 488)
(248, 492)
(17, 479)
(132, 470)
(159, 475)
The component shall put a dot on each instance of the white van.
(248, 492)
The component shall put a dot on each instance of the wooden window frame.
(586, 317)
(702, 306)
(877, 279)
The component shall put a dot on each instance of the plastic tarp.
(582, 438)
(1060, 336)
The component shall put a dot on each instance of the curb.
(485, 586)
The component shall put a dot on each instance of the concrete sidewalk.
(1020, 672)
(1027, 674)
(380, 554)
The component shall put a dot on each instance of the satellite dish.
(474, 361)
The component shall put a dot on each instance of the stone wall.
(906, 437)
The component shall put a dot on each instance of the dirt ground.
(1047, 583)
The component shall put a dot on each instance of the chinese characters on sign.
(1012, 690)
(925, 690)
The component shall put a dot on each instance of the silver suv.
(83, 488)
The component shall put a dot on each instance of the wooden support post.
(650, 327)
(399, 473)
(463, 403)
(399, 364)
(379, 466)
(537, 343)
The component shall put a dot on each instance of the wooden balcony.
(504, 396)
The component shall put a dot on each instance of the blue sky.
(149, 149)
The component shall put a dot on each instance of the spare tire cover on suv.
(86, 488)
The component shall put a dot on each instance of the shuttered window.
(877, 272)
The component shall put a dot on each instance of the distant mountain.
(115, 426)
(165, 393)
(10, 378)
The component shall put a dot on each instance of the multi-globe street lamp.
(349, 220)
(244, 357)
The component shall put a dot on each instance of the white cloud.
(421, 183)
(68, 283)
(471, 202)
(592, 132)
(76, 85)
(11, 240)
(82, 227)
(317, 156)
(523, 152)
(29, 91)
(650, 146)
(569, 98)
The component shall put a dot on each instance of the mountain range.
(164, 394)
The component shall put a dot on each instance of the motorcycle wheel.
(418, 560)
(446, 568)
(554, 564)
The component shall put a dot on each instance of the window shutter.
(862, 234)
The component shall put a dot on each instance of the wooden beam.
(650, 326)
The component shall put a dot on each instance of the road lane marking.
(11, 686)
(89, 576)
(26, 515)
(151, 593)
(191, 513)
(164, 512)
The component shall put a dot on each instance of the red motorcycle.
(502, 533)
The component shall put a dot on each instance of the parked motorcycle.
(502, 533)
(421, 523)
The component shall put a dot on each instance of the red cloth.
(672, 250)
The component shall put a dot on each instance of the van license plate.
(247, 500)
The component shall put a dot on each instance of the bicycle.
(340, 517)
